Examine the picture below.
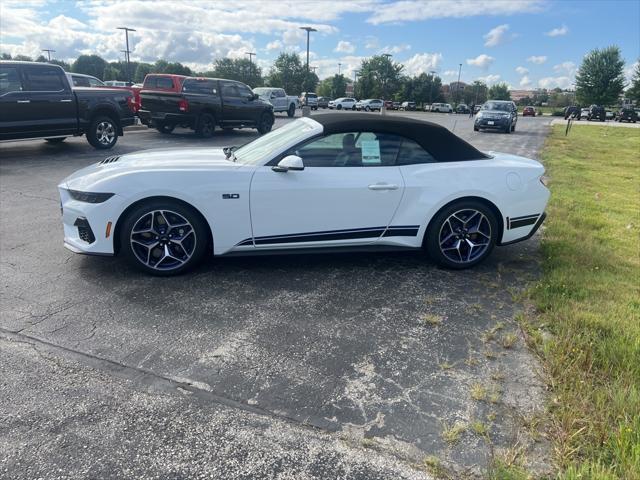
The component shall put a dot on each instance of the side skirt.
(316, 250)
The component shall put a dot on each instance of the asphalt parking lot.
(305, 366)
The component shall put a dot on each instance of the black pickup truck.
(204, 103)
(37, 101)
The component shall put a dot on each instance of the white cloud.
(522, 70)
(538, 60)
(481, 61)
(496, 36)
(418, 10)
(450, 73)
(275, 45)
(628, 72)
(372, 43)
(422, 63)
(558, 32)
(525, 82)
(555, 82)
(345, 47)
(395, 48)
(489, 79)
(568, 68)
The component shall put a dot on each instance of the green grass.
(589, 300)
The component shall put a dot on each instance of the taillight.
(183, 105)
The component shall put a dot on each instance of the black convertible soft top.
(443, 145)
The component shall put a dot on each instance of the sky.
(524, 43)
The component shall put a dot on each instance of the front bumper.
(490, 123)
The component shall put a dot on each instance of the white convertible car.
(331, 182)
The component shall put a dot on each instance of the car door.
(347, 193)
(48, 106)
(10, 92)
(237, 108)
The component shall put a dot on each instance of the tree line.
(600, 79)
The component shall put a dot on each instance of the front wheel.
(265, 123)
(164, 237)
(339, 107)
(462, 234)
(367, 109)
(353, 108)
(102, 133)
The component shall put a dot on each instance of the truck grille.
(111, 159)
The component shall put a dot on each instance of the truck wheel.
(292, 110)
(165, 128)
(206, 125)
(265, 123)
(102, 133)
(55, 140)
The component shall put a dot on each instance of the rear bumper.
(533, 231)
(151, 119)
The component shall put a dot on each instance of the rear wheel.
(206, 125)
(55, 140)
(164, 237)
(367, 109)
(102, 133)
(165, 128)
(462, 234)
(353, 108)
(292, 110)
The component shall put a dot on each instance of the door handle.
(24, 101)
(383, 186)
(66, 100)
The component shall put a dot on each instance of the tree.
(240, 69)
(141, 71)
(633, 92)
(287, 72)
(475, 94)
(499, 91)
(378, 77)
(89, 65)
(600, 78)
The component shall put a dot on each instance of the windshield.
(262, 91)
(256, 152)
(504, 107)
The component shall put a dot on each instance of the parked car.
(596, 112)
(442, 107)
(628, 114)
(370, 104)
(204, 103)
(279, 99)
(38, 101)
(343, 103)
(529, 112)
(497, 115)
(116, 83)
(584, 114)
(462, 108)
(309, 99)
(408, 106)
(396, 106)
(609, 115)
(172, 208)
(388, 104)
(323, 102)
(82, 80)
(477, 108)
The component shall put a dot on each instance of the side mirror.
(290, 162)
(273, 95)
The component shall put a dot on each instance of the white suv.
(344, 103)
(441, 107)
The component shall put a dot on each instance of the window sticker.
(370, 152)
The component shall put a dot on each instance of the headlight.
(89, 197)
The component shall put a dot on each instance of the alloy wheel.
(465, 236)
(163, 240)
(105, 133)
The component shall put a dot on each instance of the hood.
(181, 159)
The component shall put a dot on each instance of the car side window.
(350, 149)
(280, 93)
(9, 80)
(43, 79)
(205, 87)
(164, 83)
(244, 91)
(94, 82)
(411, 153)
(80, 81)
(230, 90)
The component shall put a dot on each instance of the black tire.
(206, 125)
(353, 108)
(55, 140)
(513, 127)
(196, 244)
(476, 129)
(437, 224)
(339, 107)
(265, 123)
(103, 132)
(291, 111)
(508, 129)
(367, 109)
(165, 128)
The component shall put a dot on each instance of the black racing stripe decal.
(371, 232)
(517, 222)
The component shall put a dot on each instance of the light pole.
(309, 30)
(126, 33)
(458, 84)
(355, 80)
(384, 77)
(432, 72)
(49, 52)
(251, 55)
(339, 65)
